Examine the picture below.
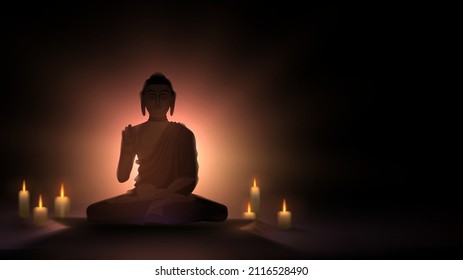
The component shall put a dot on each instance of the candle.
(249, 215)
(255, 197)
(40, 214)
(284, 217)
(62, 204)
(23, 198)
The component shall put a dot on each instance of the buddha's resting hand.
(128, 140)
(157, 206)
(128, 197)
(150, 192)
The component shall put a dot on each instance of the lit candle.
(24, 201)
(40, 214)
(249, 215)
(62, 204)
(284, 217)
(255, 197)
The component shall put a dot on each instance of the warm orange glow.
(236, 119)
(249, 207)
(96, 135)
(24, 185)
(40, 201)
(62, 190)
(284, 205)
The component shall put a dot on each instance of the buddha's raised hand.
(128, 140)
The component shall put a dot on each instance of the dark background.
(358, 64)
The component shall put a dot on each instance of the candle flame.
(284, 205)
(40, 201)
(24, 185)
(249, 207)
(254, 182)
(62, 190)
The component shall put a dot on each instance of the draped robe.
(173, 157)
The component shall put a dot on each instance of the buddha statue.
(168, 168)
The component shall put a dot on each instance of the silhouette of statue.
(167, 172)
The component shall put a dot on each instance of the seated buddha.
(168, 168)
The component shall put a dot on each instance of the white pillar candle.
(40, 214)
(62, 204)
(249, 215)
(255, 197)
(24, 202)
(284, 217)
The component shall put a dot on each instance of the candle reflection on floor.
(19, 233)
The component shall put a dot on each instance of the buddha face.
(157, 99)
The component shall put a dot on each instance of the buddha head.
(157, 96)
